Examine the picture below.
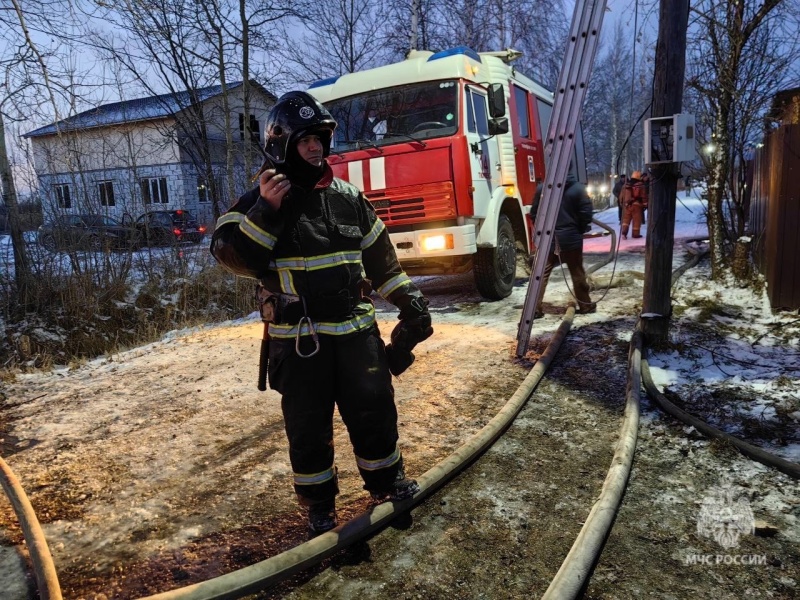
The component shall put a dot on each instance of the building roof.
(140, 109)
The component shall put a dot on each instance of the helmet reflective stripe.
(314, 478)
(258, 235)
(370, 238)
(357, 323)
(394, 283)
(381, 463)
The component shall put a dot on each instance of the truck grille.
(415, 203)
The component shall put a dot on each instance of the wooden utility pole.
(668, 85)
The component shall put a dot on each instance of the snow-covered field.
(137, 453)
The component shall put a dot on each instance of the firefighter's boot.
(402, 488)
(321, 517)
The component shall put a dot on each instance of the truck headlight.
(432, 243)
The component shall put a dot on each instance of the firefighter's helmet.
(294, 115)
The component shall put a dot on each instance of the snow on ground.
(157, 416)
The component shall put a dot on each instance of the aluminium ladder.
(570, 93)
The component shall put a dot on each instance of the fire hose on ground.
(41, 559)
(273, 570)
(568, 582)
(277, 568)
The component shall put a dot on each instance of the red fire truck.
(448, 147)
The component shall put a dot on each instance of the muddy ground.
(164, 466)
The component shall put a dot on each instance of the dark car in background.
(85, 232)
(167, 227)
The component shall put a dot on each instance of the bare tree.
(159, 44)
(409, 25)
(734, 69)
(342, 36)
(463, 23)
(619, 95)
(183, 48)
(538, 28)
(238, 30)
(32, 76)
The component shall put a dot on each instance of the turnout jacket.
(634, 192)
(574, 214)
(314, 250)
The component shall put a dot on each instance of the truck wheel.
(495, 268)
(523, 261)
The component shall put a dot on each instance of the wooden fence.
(775, 216)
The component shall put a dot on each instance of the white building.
(173, 151)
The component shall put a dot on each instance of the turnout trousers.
(350, 372)
(633, 215)
(574, 262)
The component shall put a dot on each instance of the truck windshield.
(391, 115)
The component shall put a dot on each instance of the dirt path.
(164, 466)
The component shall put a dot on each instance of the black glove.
(413, 328)
(399, 360)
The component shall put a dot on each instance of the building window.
(62, 195)
(154, 190)
(254, 128)
(204, 192)
(106, 191)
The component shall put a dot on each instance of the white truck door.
(483, 153)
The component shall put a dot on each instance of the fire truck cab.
(449, 148)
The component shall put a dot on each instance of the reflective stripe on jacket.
(320, 243)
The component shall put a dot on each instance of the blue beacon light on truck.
(466, 51)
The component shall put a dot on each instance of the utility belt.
(289, 309)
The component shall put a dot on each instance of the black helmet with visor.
(295, 115)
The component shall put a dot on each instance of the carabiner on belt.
(306, 319)
(314, 337)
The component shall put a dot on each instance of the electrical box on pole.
(669, 139)
(675, 134)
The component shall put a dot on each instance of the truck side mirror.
(497, 100)
(499, 125)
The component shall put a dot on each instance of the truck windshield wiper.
(398, 134)
(368, 143)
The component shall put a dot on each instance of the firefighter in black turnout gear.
(309, 239)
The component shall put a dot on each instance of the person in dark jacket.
(617, 190)
(307, 236)
(574, 219)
